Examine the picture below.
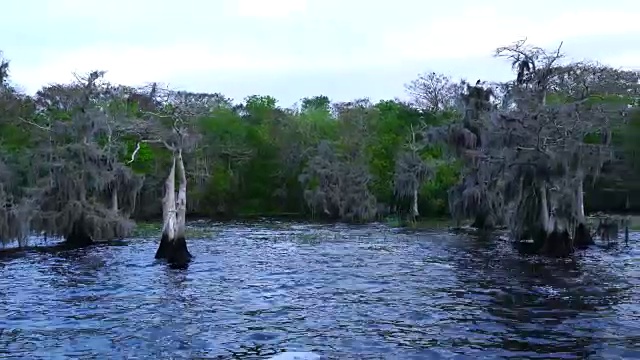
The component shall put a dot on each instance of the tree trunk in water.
(414, 205)
(582, 236)
(79, 236)
(173, 245)
(557, 242)
(114, 200)
(580, 202)
(483, 222)
(556, 239)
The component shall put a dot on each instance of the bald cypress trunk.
(79, 235)
(173, 245)
(556, 239)
(582, 236)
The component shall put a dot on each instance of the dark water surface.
(341, 292)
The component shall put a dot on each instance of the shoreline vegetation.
(532, 157)
(197, 228)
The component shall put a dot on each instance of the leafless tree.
(433, 91)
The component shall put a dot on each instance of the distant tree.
(336, 177)
(320, 102)
(411, 172)
(434, 92)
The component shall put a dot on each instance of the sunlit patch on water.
(546, 291)
(258, 291)
(295, 355)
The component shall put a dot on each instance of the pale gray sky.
(296, 48)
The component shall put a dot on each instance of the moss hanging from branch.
(544, 145)
(76, 157)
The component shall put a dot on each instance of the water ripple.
(343, 292)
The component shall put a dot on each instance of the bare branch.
(45, 128)
(137, 149)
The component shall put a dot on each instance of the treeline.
(79, 160)
(66, 157)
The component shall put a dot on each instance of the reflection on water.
(342, 292)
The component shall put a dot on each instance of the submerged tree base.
(483, 222)
(556, 244)
(582, 238)
(175, 252)
(78, 237)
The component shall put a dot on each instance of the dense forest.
(84, 160)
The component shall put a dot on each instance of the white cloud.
(268, 8)
(138, 65)
(628, 60)
(479, 31)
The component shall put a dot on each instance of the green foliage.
(320, 102)
(256, 152)
(145, 158)
(13, 137)
(389, 133)
(435, 192)
(628, 136)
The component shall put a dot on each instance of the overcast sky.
(297, 48)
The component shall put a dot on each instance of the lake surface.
(343, 292)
